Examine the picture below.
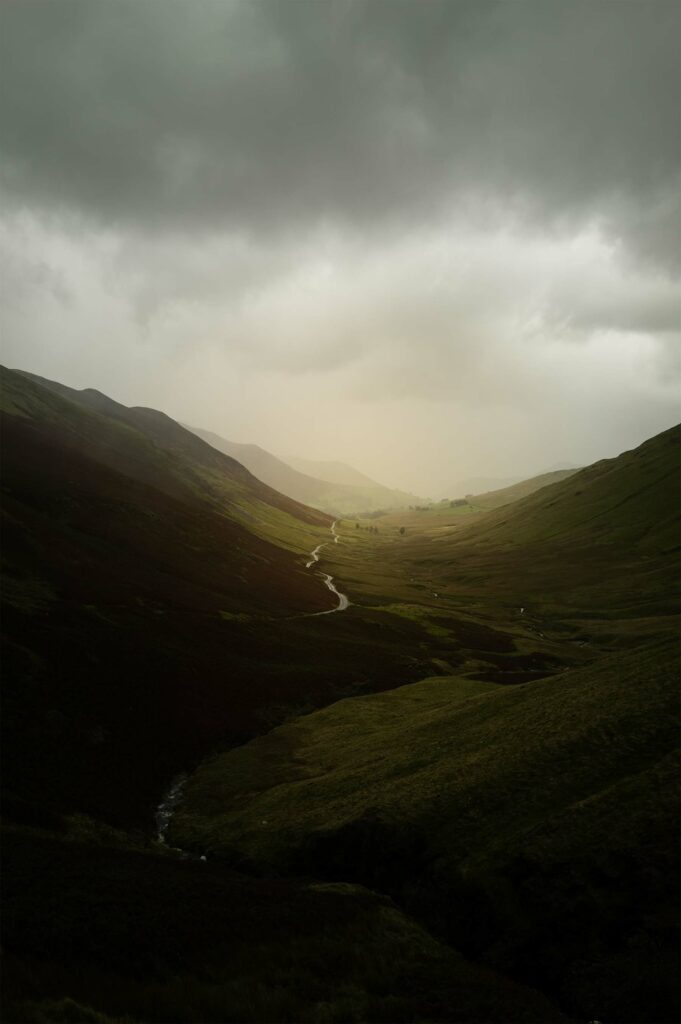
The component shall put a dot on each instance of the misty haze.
(341, 493)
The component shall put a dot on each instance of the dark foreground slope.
(141, 937)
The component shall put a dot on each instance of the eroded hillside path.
(343, 600)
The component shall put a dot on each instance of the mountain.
(131, 551)
(334, 472)
(332, 497)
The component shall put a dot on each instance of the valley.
(456, 801)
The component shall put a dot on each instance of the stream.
(173, 795)
(343, 600)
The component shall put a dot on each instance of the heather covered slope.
(331, 496)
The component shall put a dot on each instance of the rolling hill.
(336, 498)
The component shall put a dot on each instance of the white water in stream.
(174, 794)
(343, 600)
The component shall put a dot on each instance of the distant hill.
(334, 472)
(480, 485)
(331, 497)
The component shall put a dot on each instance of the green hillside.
(593, 555)
(633, 498)
(480, 807)
(473, 504)
(334, 472)
(506, 495)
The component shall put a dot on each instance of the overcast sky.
(433, 239)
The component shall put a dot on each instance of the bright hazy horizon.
(435, 241)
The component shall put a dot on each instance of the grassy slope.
(487, 500)
(633, 498)
(591, 558)
(535, 825)
(506, 495)
(336, 498)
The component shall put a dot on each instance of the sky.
(434, 239)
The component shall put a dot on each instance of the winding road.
(343, 600)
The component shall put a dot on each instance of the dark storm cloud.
(251, 116)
